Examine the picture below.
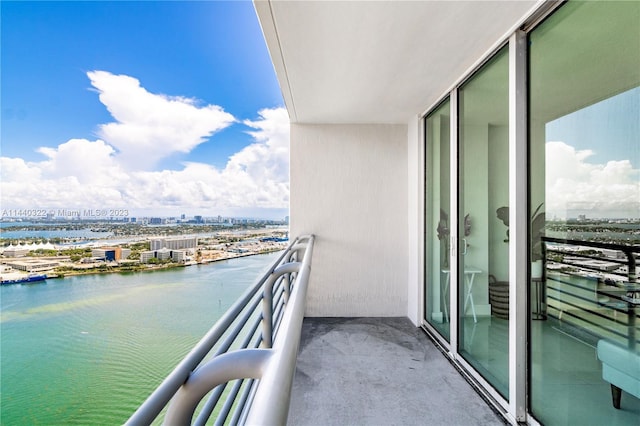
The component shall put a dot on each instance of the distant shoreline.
(153, 268)
(61, 261)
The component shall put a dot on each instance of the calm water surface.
(88, 350)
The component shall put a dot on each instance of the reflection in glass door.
(483, 162)
(437, 219)
(584, 143)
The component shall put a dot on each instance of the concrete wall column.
(349, 188)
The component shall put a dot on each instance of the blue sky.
(609, 128)
(69, 72)
(593, 160)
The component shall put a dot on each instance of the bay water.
(88, 350)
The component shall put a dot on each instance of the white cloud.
(574, 186)
(90, 162)
(77, 170)
(257, 176)
(150, 126)
(115, 171)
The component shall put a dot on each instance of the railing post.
(267, 300)
(631, 266)
(267, 315)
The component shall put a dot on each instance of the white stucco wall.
(349, 188)
(415, 217)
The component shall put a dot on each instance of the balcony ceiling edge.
(377, 62)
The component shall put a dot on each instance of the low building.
(178, 255)
(145, 256)
(163, 254)
(174, 243)
(111, 254)
(18, 251)
(33, 265)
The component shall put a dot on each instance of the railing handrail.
(595, 244)
(280, 372)
(187, 368)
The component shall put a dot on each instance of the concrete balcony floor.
(379, 371)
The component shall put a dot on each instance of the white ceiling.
(378, 61)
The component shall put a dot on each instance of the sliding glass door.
(483, 226)
(564, 129)
(584, 128)
(438, 219)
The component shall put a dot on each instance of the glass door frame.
(519, 266)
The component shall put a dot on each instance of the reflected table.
(539, 300)
(469, 276)
(626, 299)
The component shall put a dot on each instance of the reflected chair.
(621, 368)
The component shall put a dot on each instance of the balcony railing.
(254, 345)
(593, 288)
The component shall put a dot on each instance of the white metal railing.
(257, 338)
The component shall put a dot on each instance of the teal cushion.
(620, 357)
(621, 380)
